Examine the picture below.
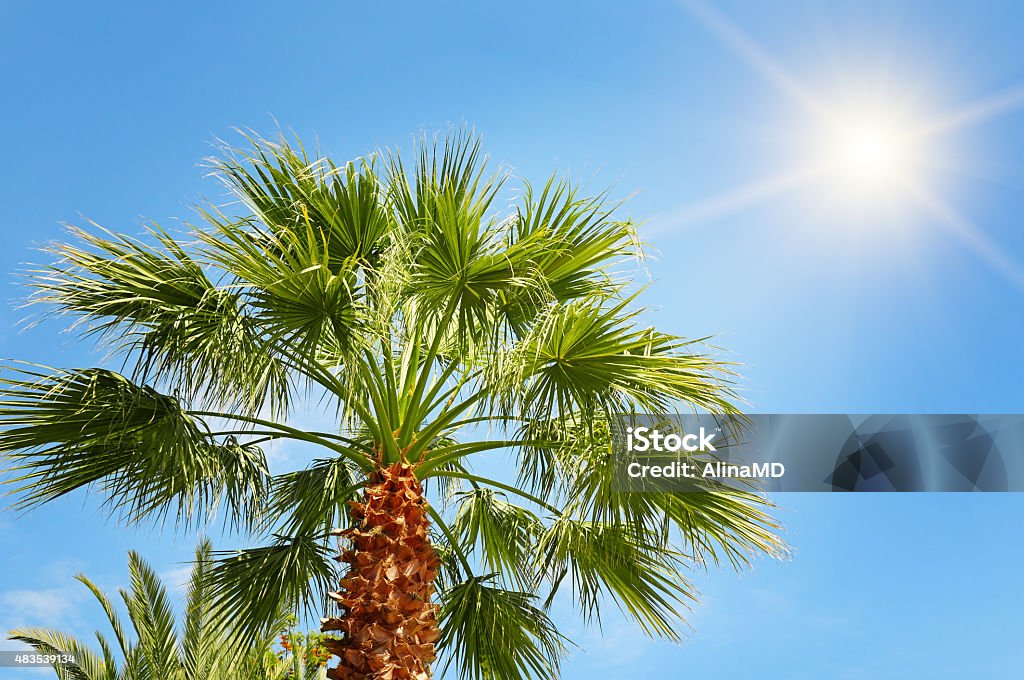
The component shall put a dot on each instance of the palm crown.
(436, 327)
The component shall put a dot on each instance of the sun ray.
(872, 156)
(968, 234)
(736, 199)
(754, 56)
(998, 104)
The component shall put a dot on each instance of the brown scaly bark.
(388, 621)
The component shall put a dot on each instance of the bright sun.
(865, 151)
(869, 154)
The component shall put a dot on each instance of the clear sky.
(760, 143)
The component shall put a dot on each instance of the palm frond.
(489, 633)
(504, 533)
(124, 642)
(313, 499)
(156, 303)
(65, 430)
(726, 525)
(87, 664)
(152, 615)
(576, 240)
(718, 523)
(588, 355)
(284, 189)
(636, 570)
(300, 297)
(251, 587)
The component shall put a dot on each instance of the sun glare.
(860, 151)
(870, 153)
(869, 156)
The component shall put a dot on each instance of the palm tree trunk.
(388, 619)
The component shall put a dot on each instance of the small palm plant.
(433, 327)
(149, 642)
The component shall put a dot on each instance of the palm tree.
(149, 642)
(433, 326)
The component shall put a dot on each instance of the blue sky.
(832, 302)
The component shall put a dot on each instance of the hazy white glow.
(868, 157)
(870, 152)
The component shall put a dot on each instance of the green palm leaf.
(491, 633)
(70, 429)
(87, 664)
(150, 644)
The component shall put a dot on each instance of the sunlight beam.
(754, 56)
(970, 235)
(737, 199)
(998, 104)
(869, 155)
